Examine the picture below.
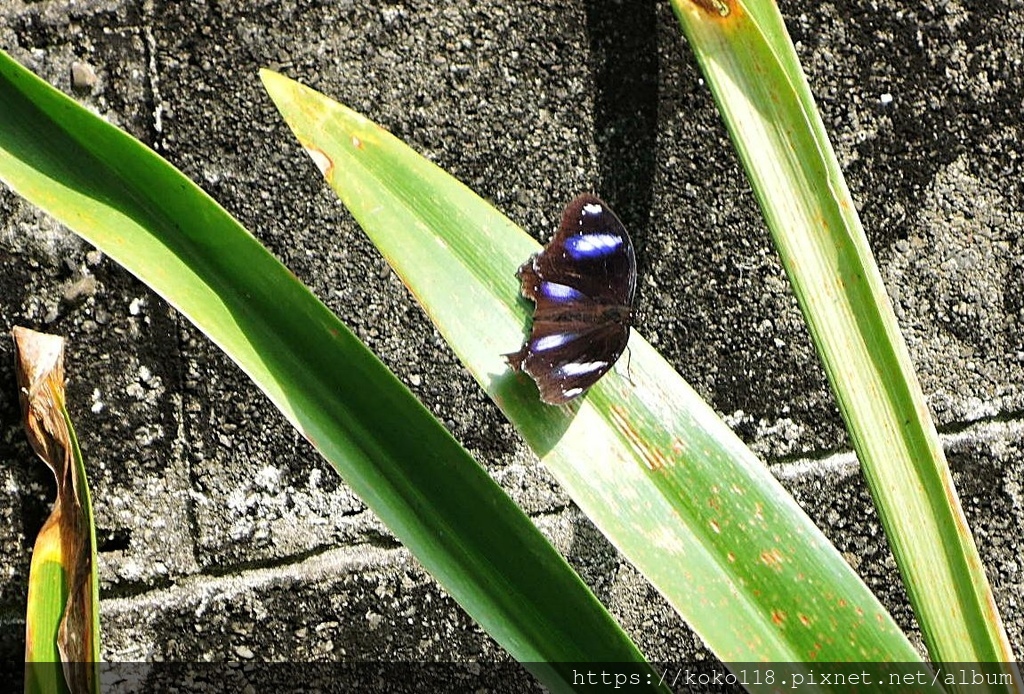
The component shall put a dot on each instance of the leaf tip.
(268, 76)
(276, 84)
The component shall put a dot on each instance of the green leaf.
(647, 460)
(752, 68)
(143, 213)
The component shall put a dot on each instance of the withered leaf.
(66, 538)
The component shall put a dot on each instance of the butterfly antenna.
(629, 356)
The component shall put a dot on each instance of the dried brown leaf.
(66, 535)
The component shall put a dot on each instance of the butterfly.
(583, 284)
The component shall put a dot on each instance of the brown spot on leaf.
(773, 558)
(716, 8)
(322, 161)
(653, 458)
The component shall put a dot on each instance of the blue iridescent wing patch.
(583, 284)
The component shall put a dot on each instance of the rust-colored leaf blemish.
(653, 458)
(773, 558)
(356, 142)
(716, 8)
(778, 617)
(320, 158)
(804, 619)
(65, 538)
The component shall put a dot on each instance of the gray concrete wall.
(529, 103)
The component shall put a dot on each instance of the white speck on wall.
(886, 99)
(269, 478)
(97, 404)
(976, 409)
(135, 307)
(735, 419)
(237, 501)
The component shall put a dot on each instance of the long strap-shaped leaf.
(137, 208)
(648, 461)
(749, 60)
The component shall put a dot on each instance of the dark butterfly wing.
(583, 284)
(592, 253)
(567, 358)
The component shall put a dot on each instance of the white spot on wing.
(572, 392)
(552, 341)
(577, 368)
(554, 290)
(593, 208)
(587, 245)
